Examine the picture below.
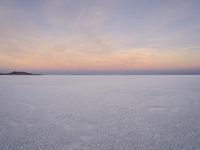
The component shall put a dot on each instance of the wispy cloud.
(72, 35)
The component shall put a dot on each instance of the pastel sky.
(99, 35)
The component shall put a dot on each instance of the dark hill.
(18, 73)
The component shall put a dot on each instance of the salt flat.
(92, 112)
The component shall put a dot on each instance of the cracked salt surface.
(99, 112)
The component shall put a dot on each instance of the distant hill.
(18, 73)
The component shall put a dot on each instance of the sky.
(67, 36)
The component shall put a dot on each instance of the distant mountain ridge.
(19, 73)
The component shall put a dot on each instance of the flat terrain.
(100, 112)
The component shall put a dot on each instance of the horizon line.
(108, 72)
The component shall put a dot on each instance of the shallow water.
(99, 112)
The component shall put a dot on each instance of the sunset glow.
(116, 35)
